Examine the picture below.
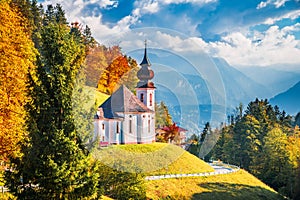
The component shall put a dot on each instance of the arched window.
(118, 127)
(142, 97)
(150, 99)
(149, 126)
(130, 126)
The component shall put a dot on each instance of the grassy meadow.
(235, 186)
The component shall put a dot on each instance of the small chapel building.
(125, 118)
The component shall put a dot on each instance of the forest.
(261, 139)
(45, 151)
(45, 140)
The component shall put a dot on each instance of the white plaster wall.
(127, 136)
(147, 93)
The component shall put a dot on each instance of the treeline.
(266, 142)
(42, 70)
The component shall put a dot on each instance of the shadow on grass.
(224, 191)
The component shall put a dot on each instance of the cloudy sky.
(243, 32)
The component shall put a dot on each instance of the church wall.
(150, 99)
(115, 131)
(101, 130)
(147, 97)
(146, 129)
(141, 127)
(96, 130)
(129, 129)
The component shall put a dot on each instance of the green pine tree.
(55, 164)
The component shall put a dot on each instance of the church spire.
(145, 74)
(145, 60)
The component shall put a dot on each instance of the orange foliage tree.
(16, 59)
(122, 70)
(97, 59)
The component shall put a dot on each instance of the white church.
(125, 118)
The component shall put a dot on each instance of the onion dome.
(145, 74)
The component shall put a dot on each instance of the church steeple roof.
(145, 74)
(145, 61)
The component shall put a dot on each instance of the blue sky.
(243, 32)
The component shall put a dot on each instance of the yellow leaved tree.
(17, 56)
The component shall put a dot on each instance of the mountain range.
(208, 89)
(288, 100)
(277, 81)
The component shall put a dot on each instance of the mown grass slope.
(151, 159)
(94, 97)
(235, 186)
(161, 158)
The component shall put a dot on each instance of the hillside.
(93, 96)
(236, 186)
(288, 100)
(152, 159)
(276, 80)
(161, 158)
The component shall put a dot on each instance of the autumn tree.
(296, 194)
(17, 59)
(55, 164)
(171, 134)
(98, 58)
(263, 142)
(122, 70)
(276, 165)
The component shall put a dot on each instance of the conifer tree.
(162, 115)
(55, 164)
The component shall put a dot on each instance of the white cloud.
(152, 6)
(276, 46)
(280, 3)
(143, 7)
(261, 48)
(271, 47)
(290, 15)
(100, 31)
(187, 1)
(276, 3)
(106, 3)
(262, 4)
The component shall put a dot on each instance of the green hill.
(152, 159)
(94, 96)
(235, 186)
(161, 158)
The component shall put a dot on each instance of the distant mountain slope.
(275, 80)
(289, 100)
(193, 94)
(239, 87)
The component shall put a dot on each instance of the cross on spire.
(145, 61)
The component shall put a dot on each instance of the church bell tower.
(145, 90)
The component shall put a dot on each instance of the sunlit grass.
(152, 159)
(95, 98)
(238, 185)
